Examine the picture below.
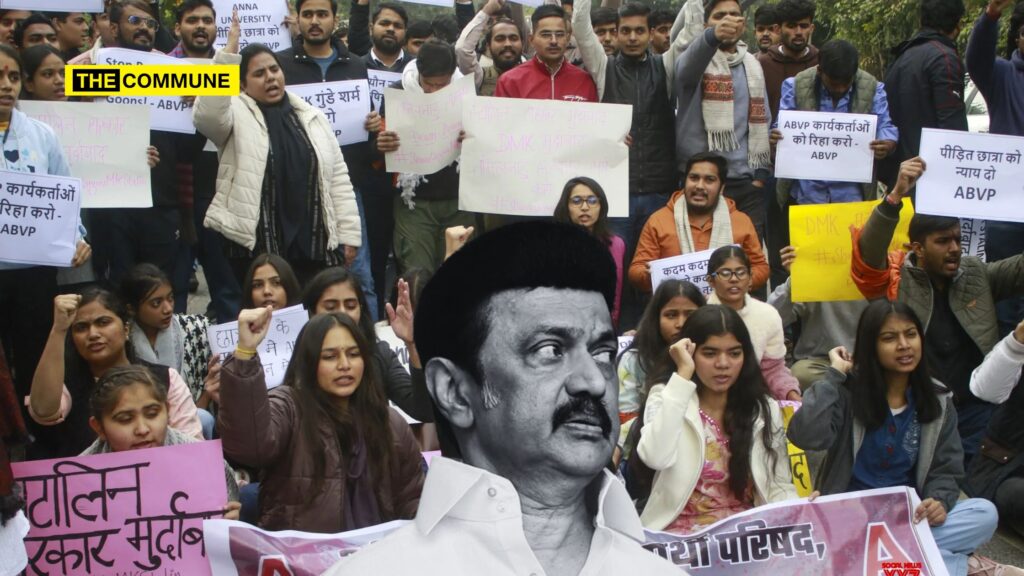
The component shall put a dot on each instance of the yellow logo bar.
(153, 80)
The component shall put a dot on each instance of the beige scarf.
(721, 226)
(717, 105)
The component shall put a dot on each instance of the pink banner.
(135, 512)
(867, 533)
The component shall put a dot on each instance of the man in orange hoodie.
(710, 224)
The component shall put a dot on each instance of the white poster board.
(93, 6)
(832, 146)
(973, 234)
(275, 352)
(260, 22)
(518, 154)
(427, 125)
(345, 103)
(38, 218)
(971, 175)
(691, 267)
(399, 347)
(379, 80)
(105, 144)
(167, 113)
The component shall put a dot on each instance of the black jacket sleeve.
(408, 392)
(359, 29)
(464, 14)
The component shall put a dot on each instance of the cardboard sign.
(831, 146)
(38, 218)
(275, 352)
(345, 103)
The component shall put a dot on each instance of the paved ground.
(1006, 547)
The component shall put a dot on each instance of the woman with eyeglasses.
(729, 277)
(585, 204)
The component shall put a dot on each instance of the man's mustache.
(583, 408)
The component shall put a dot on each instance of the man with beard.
(502, 39)
(72, 32)
(519, 352)
(710, 224)
(721, 108)
(196, 25)
(549, 75)
(953, 294)
(660, 22)
(794, 53)
(766, 27)
(320, 58)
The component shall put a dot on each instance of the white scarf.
(169, 349)
(721, 226)
(718, 108)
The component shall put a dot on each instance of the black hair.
(394, 7)
(747, 398)
(721, 255)
(604, 15)
(709, 7)
(500, 20)
(659, 17)
(445, 27)
(766, 15)
(419, 29)
(190, 5)
(417, 278)
(284, 270)
(31, 59)
(108, 388)
(631, 9)
(33, 19)
(652, 350)
(299, 3)
(452, 320)
(792, 11)
(78, 375)
(366, 417)
(436, 58)
(839, 60)
(338, 275)
(923, 225)
(547, 11)
(942, 15)
(867, 380)
(718, 160)
(250, 51)
(1013, 33)
(117, 9)
(600, 229)
(140, 282)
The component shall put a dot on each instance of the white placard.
(105, 144)
(832, 146)
(624, 342)
(971, 175)
(973, 235)
(345, 103)
(518, 154)
(427, 125)
(93, 6)
(275, 351)
(531, 3)
(38, 218)
(260, 22)
(379, 80)
(167, 113)
(691, 267)
(441, 3)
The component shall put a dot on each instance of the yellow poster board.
(797, 458)
(821, 235)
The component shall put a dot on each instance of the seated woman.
(885, 422)
(130, 412)
(729, 277)
(334, 456)
(270, 281)
(88, 338)
(713, 433)
(337, 290)
(585, 204)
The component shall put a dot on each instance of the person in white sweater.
(712, 434)
(729, 277)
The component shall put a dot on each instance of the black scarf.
(292, 161)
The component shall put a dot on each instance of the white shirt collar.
(461, 491)
(373, 56)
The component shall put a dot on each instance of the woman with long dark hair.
(338, 290)
(44, 74)
(585, 204)
(730, 279)
(334, 457)
(713, 434)
(89, 337)
(885, 422)
(270, 281)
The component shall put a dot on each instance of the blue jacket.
(32, 146)
(1000, 81)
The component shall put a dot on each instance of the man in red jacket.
(548, 76)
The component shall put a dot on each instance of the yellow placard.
(152, 80)
(821, 235)
(797, 459)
